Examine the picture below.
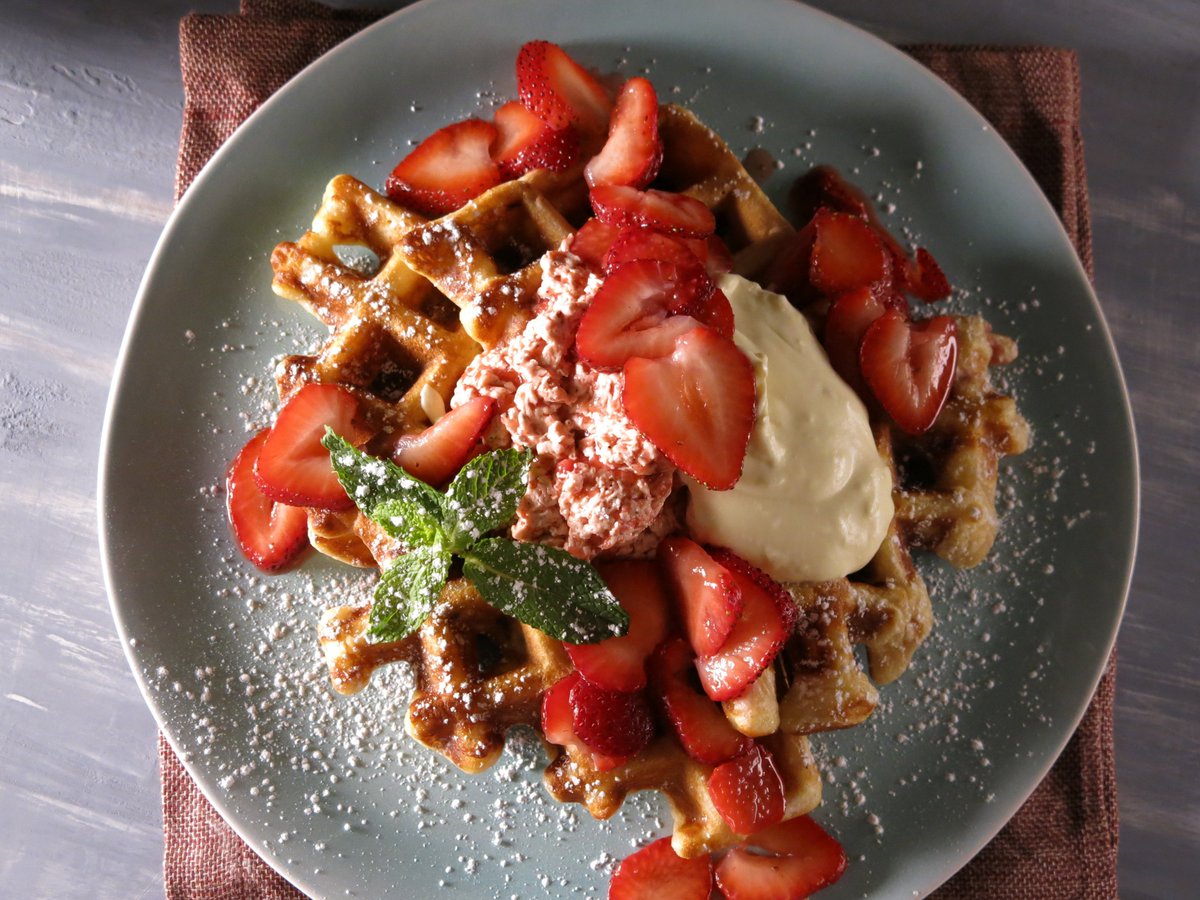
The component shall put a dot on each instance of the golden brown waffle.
(392, 336)
(477, 672)
(944, 489)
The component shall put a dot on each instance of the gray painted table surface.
(90, 105)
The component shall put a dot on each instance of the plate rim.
(298, 82)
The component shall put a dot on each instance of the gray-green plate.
(330, 791)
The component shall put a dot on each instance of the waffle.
(393, 337)
(479, 673)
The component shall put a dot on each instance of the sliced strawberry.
(631, 314)
(634, 150)
(910, 367)
(788, 272)
(619, 663)
(823, 186)
(925, 279)
(663, 211)
(450, 167)
(270, 534)
(591, 242)
(703, 731)
(748, 790)
(292, 466)
(524, 143)
(717, 314)
(634, 244)
(655, 871)
(437, 453)
(847, 253)
(848, 320)
(715, 254)
(696, 405)
(559, 728)
(611, 723)
(559, 91)
(807, 859)
(706, 595)
(768, 614)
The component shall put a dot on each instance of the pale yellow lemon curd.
(814, 500)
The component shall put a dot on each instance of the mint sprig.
(541, 586)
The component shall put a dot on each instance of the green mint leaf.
(371, 482)
(485, 494)
(545, 587)
(407, 592)
(407, 520)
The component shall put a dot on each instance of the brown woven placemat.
(1062, 844)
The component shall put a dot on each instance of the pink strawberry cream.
(598, 486)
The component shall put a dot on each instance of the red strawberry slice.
(706, 595)
(848, 320)
(847, 253)
(715, 254)
(559, 91)
(592, 241)
(437, 453)
(559, 728)
(634, 150)
(788, 273)
(270, 534)
(717, 314)
(524, 143)
(696, 405)
(663, 211)
(910, 367)
(450, 167)
(768, 615)
(823, 186)
(619, 663)
(655, 871)
(703, 731)
(807, 859)
(748, 790)
(634, 244)
(611, 723)
(292, 466)
(924, 278)
(631, 314)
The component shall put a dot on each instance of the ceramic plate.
(329, 790)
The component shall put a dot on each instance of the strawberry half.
(292, 465)
(270, 534)
(558, 723)
(696, 405)
(748, 790)
(627, 207)
(524, 143)
(447, 169)
(909, 366)
(847, 321)
(619, 663)
(631, 314)
(656, 871)
(717, 314)
(633, 244)
(437, 453)
(592, 242)
(806, 859)
(924, 278)
(634, 150)
(559, 91)
(707, 597)
(767, 617)
(611, 723)
(788, 273)
(847, 253)
(703, 731)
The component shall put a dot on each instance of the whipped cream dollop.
(815, 499)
